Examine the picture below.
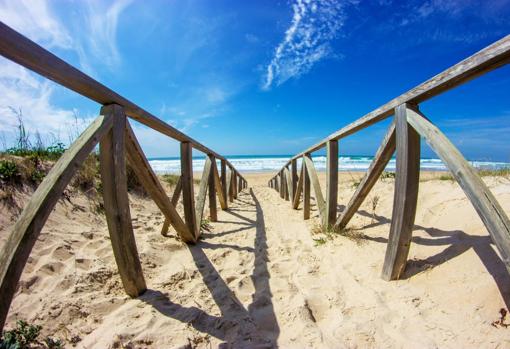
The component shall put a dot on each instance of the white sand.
(259, 280)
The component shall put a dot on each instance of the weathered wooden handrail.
(118, 143)
(403, 136)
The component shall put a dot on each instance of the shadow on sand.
(255, 327)
(456, 242)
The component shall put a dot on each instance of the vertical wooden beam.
(188, 194)
(405, 197)
(314, 179)
(306, 190)
(484, 202)
(234, 182)
(331, 183)
(294, 177)
(282, 185)
(288, 187)
(202, 193)
(229, 186)
(219, 187)
(299, 190)
(224, 181)
(112, 161)
(20, 241)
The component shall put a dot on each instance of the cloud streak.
(315, 23)
(92, 37)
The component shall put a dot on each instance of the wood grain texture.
(381, 158)
(112, 162)
(224, 183)
(299, 190)
(331, 183)
(188, 194)
(288, 187)
(314, 179)
(229, 186)
(484, 202)
(234, 183)
(306, 190)
(218, 183)
(294, 179)
(24, 234)
(152, 185)
(405, 196)
(202, 194)
(282, 184)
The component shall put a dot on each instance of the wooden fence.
(403, 136)
(117, 142)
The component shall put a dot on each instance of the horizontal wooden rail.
(118, 143)
(487, 59)
(27, 53)
(403, 136)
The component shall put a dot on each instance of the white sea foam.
(274, 163)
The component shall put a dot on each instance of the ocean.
(271, 163)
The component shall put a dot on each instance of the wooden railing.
(403, 136)
(117, 142)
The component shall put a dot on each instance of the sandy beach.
(260, 278)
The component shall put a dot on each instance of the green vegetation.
(330, 233)
(25, 336)
(446, 177)
(171, 179)
(8, 171)
(206, 224)
(52, 152)
(387, 175)
(502, 172)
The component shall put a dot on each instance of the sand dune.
(259, 279)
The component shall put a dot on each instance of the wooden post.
(188, 194)
(282, 185)
(299, 190)
(234, 183)
(288, 187)
(219, 187)
(112, 162)
(229, 186)
(306, 190)
(484, 202)
(202, 193)
(294, 177)
(405, 197)
(20, 241)
(224, 181)
(331, 183)
(314, 179)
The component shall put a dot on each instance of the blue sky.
(262, 77)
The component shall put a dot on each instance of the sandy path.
(258, 278)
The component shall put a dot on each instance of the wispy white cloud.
(25, 93)
(314, 24)
(100, 34)
(36, 20)
(92, 39)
